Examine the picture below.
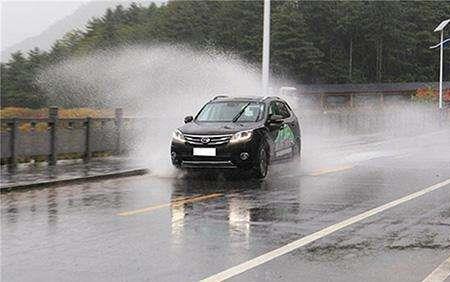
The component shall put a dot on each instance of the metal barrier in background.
(53, 136)
(393, 122)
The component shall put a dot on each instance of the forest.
(311, 41)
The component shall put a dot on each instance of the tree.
(18, 88)
(312, 41)
(293, 54)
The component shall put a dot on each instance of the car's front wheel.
(262, 162)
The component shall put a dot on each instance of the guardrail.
(55, 136)
(389, 122)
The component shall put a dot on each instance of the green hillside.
(312, 41)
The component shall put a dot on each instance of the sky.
(24, 19)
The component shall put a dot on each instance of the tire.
(262, 162)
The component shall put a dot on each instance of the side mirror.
(275, 120)
(188, 119)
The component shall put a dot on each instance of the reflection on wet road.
(189, 228)
(173, 203)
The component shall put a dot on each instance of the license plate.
(210, 152)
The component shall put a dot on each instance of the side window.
(273, 109)
(284, 112)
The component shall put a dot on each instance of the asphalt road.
(188, 228)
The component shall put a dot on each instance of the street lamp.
(266, 48)
(440, 28)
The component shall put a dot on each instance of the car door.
(285, 139)
(273, 129)
(276, 131)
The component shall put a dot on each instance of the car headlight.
(178, 136)
(241, 136)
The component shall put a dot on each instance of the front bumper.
(227, 155)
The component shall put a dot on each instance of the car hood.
(216, 128)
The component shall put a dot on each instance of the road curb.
(74, 180)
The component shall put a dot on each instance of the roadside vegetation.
(312, 41)
(430, 95)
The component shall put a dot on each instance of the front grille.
(212, 139)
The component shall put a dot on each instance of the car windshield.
(241, 111)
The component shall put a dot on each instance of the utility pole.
(266, 48)
(441, 69)
(440, 28)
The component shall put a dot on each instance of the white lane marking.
(240, 268)
(440, 273)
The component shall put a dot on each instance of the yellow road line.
(180, 199)
(330, 170)
(172, 204)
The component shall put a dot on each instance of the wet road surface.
(27, 173)
(188, 228)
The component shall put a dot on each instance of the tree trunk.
(379, 58)
(350, 61)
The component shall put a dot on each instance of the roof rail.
(220, 96)
(273, 97)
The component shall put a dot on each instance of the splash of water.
(165, 83)
(161, 83)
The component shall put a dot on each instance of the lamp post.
(440, 28)
(266, 48)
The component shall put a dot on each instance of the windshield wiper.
(236, 117)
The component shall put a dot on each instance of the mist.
(162, 84)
